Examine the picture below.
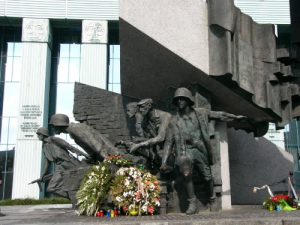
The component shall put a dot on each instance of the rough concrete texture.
(55, 214)
(256, 162)
(103, 110)
(180, 26)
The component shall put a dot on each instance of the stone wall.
(255, 162)
(103, 110)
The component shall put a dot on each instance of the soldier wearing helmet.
(94, 143)
(189, 135)
(56, 150)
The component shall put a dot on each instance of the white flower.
(144, 208)
(121, 172)
(119, 199)
(127, 182)
(103, 168)
(152, 187)
(157, 203)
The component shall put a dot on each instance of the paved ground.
(63, 214)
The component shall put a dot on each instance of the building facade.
(46, 46)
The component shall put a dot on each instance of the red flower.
(151, 209)
(278, 198)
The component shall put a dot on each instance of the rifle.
(41, 180)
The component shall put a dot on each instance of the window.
(68, 70)
(11, 56)
(114, 82)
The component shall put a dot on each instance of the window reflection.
(114, 83)
(65, 98)
(10, 91)
(68, 71)
(11, 99)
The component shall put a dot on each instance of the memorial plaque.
(30, 116)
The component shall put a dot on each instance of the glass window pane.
(116, 88)
(16, 76)
(111, 71)
(116, 52)
(63, 70)
(75, 51)
(11, 99)
(65, 98)
(10, 49)
(18, 49)
(116, 70)
(3, 147)
(64, 50)
(10, 158)
(8, 69)
(74, 69)
(110, 87)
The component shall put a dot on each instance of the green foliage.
(29, 201)
(93, 190)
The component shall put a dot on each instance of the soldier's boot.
(193, 206)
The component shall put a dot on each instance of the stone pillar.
(221, 129)
(93, 65)
(33, 108)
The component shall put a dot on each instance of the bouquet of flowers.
(135, 191)
(96, 184)
(276, 202)
(279, 202)
(93, 190)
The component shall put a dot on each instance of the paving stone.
(50, 215)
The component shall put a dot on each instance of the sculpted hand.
(134, 147)
(163, 167)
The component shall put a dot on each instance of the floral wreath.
(134, 190)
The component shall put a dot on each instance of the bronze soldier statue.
(93, 142)
(133, 112)
(155, 124)
(89, 139)
(188, 133)
(56, 150)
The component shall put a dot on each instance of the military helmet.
(183, 92)
(43, 131)
(59, 120)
